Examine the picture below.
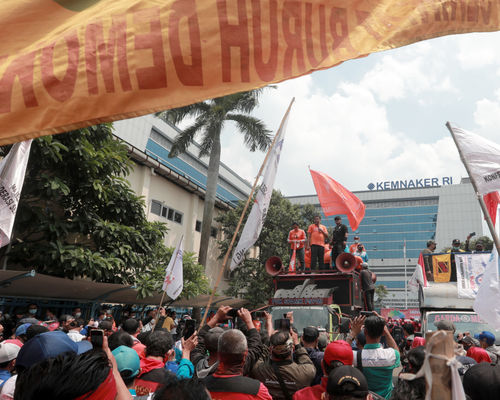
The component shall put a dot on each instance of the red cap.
(338, 350)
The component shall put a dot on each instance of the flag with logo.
(257, 216)
(470, 273)
(418, 278)
(487, 303)
(441, 266)
(482, 156)
(336, 199)
(12, 171)
(173, 282)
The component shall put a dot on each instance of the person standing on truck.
(317, 234)
(426, 254)
(455, 248)
(297, 239)
(339, 240)
(368, 287)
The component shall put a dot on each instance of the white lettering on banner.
(411, 183)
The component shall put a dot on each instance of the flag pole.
(406, 278)
(487, 216)
(250, 196)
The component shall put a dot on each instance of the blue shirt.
(4, 375)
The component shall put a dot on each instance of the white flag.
(482, 156)
(257, 215)
(487, 303)
(418, 278)
(12, 171)
(173, 283)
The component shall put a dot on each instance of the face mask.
(33, 311)
(356, 241)
(78, 315)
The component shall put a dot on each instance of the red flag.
(491, 200)
(336, 199)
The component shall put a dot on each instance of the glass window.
(164, 212)
(155, 207)
(213, 232)
(178, 217)
(170, 215)
(197, 226)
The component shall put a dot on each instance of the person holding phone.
(317, 236)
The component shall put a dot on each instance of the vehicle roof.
(443, 295)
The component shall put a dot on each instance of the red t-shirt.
(295, 235)
(262, 394)
(315, 235)
(311, 392)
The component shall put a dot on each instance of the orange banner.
(441, 266)
(65, 64)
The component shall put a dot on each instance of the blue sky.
(381, 117)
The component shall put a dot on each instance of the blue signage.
(411, 183)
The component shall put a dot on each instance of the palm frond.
(176, 115)
(211, 131)
(256, 136)
(186, 137)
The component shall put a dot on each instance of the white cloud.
(487, 117)
(478, 50)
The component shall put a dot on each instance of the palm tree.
(210, 117)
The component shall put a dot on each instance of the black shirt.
(339, 233)
(366, 280)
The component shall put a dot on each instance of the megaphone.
(274, 265)
(346, 263)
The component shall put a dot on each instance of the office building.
(410, 212)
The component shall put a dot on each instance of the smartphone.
(96, 338)
(260, 314)
(282, 324)
(367, 313)
(189, 328)
(472, 234)
(233, 313)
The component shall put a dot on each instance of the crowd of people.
(159, 357)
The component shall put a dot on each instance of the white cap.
(8, 351)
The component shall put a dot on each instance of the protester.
(367, 287)
(426, 253)
(228, 381)
(184, 389)
(353, 247)
(297, 238)
(337, 353)
(487, 342)
(8, 355)
(120, 338)
(133, 328)
(316, 236)
(479, 355)
(376, 363)
(339, 240)
(309, 341)
(74, 329)
(280, 373)
(346, 382)
(128, 365)
(482, 382)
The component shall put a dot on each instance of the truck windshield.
(464, 322)
(304, 316)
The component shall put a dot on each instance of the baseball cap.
(488, 336)
(8, 351)
(127, 359)
(347, 381)
(21, 329)
(48, 345)
(444, 325)
(338, 350)
(482, 381)
(456, 241)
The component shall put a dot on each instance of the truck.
(440, 301)
(316, 299)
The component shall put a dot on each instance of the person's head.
(212, 340)
(120, 338)
(416, 359)
(408, 329)
(482, 381)
(467, 342)
(479, 246)
(8, 355)
(322, 342)
(77, 312)
(106, 326)
(34, 330)
(21, 332)
(159, 344)
(232, 349)
(346, 383)
(360, 340)
(337, 353)
(32, 309)
(67, 376)
(281, 345)
(75, 324)
(444, 325)
(356, 239)
(295, 225)
(338, 220)
(310, 336)
(455, 244)
(127, 362)
(431, 245)
(374, 327)
(65, 320)
(131, 326)
(182, 389)
(317, 219)
(486, 339)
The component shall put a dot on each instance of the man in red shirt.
(337, 353)
(228, 381)
(297, 238)
(317, 235)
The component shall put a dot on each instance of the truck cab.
(317, 299)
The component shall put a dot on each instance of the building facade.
(174, 188)
(411, 216)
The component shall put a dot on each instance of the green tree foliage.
(381, 293)
(250, 280)
(79, 217)
(209, 119)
